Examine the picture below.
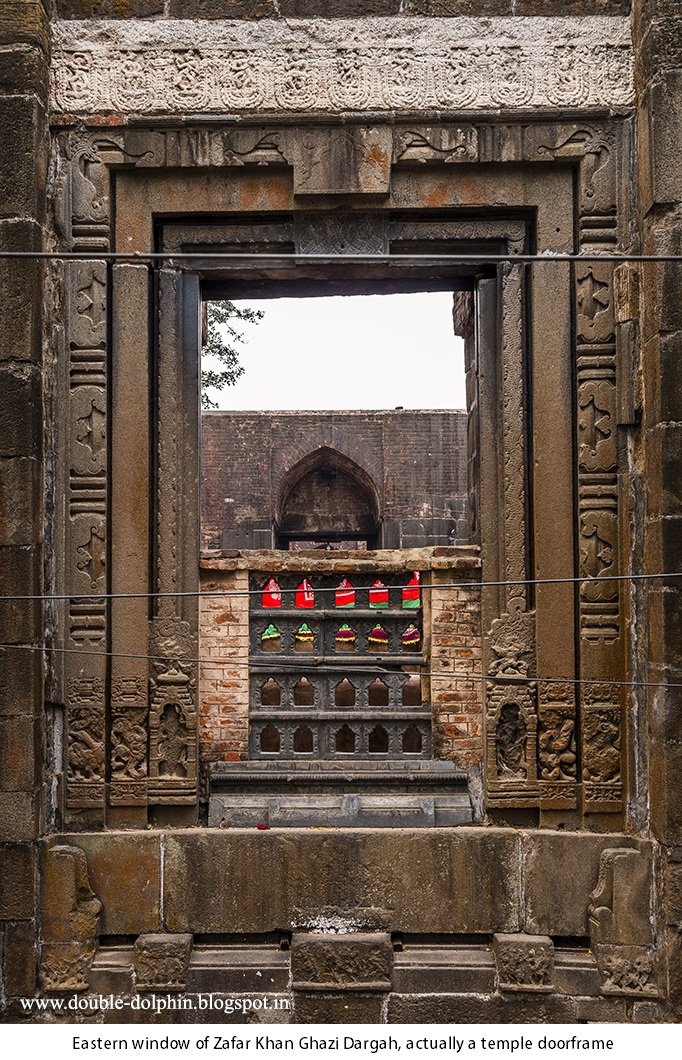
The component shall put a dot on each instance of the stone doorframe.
(553, 384)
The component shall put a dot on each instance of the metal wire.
(442, 258)
(471, 583)
(237, 664)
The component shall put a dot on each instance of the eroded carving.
(85, 758)
(280, 65)
(161, 961)
(512, 643)
(128, 745)
(70, 921)
(524, 962)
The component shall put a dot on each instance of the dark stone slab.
(561, 871)
(223, 8)
(20, 333)
(444, 970)
(22, 156)
(24, 22)
(23, 69)
(110, 8)
(124, 872)
(17, 884)
(465, 880)
(19, 575)
(338, 1008)
(20, 429)
(19, 500)
(19, 959)
(19, 752)
(19, 688)
(470, 1008)
(18, 816)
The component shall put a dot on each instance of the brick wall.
(416, 460)
(456, 696)
(223, 673)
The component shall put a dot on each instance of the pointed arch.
(327, 496)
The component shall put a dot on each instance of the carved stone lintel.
(70, 920)
(161, 961)
(338, 65)
(525, 963)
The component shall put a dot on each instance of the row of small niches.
(325, 741)
(370, 692)
(307, 640)
(304, 595)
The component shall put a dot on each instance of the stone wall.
(24, 59)
(247, 456)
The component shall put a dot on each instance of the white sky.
(350, 352)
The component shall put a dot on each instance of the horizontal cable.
(471, 583)
(237, 664)
(230, 256)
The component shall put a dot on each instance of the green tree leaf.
(222, 343)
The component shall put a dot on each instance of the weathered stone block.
(663, 102)
(572, 7)
(17, 881)
(660, 49)
(70, 915)
(20, 334)
(670, 369)
(19, 753)
(347, 160)
(361, 961)
(337, 1008)
(20, 428)
(340, 8)
(223, 8)
(18, 816)
(460, 880)
(24, 22)
(21, 685)
(561, 871)
(19, 500)
(524, 962)
(19, 959)
(626, 970)
(19, 575)
(23, 69)
(124, 872)
(110, 8)
(472, 1008)
(161, 961)
(22, 157)
(620, 905)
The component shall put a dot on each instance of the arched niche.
(327, 496)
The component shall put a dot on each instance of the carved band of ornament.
(341, 65)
